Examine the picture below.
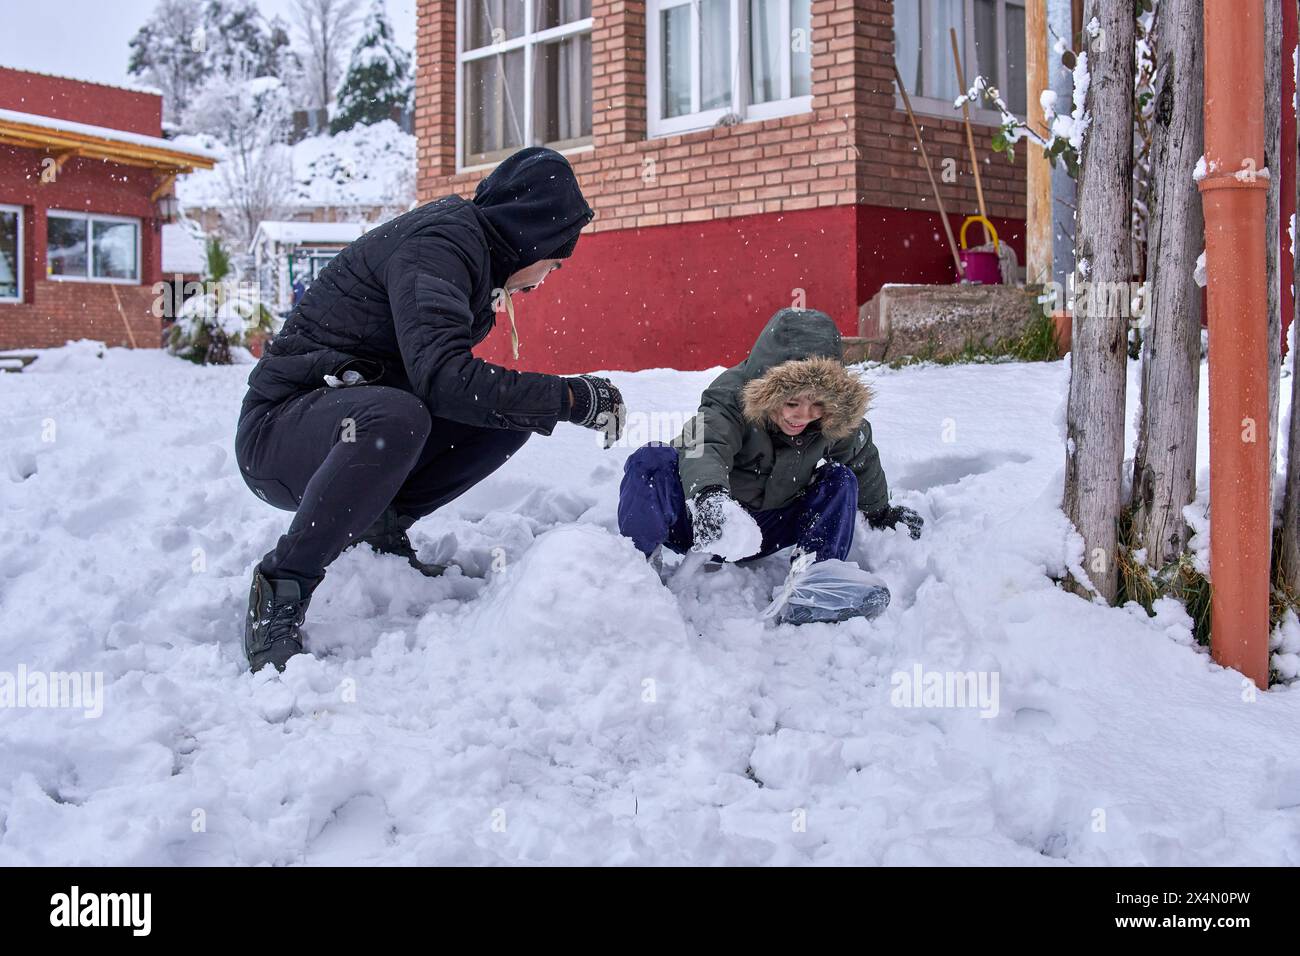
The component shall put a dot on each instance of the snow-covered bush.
(226, 315)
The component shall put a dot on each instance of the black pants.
(339, 457)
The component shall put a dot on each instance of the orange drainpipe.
(1234, 201)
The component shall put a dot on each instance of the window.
(711, 59)
(992, 38)
(525, 76)
(93, 248)
(11, 254)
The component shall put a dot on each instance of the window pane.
(494, 103)
(800, 47)
(938, 76)
(676, 26)
(8, 255)
(715, 54)
(907, 43)
(115, 245)
(66, 255)
(493, 21)
(1014, 94)
(553, 13)
(986, 43)
(765, 48)
(562, 90)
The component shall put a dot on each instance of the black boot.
(272, 630)
(388, 536)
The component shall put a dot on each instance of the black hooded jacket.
(404, 304)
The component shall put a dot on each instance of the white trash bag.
(826, 592)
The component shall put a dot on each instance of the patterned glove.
(890, 518)
(598, 405)
(708, 516)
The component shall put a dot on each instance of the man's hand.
(708, 515)
(891, 517)
(595, 403)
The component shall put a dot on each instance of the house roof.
(66, 138)
(182, 251)
(277, 230)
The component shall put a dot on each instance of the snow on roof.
(282, 231)
(104, 132)
(182, 251)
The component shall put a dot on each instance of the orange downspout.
(1234, 199)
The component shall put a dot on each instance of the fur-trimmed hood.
(844, 397)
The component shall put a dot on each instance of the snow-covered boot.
(827, 592)
(273, 628)
(388, 536)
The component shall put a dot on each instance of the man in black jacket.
(368, 410)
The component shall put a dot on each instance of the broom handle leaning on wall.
(943, 213)
(970, 138)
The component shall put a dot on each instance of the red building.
(85, 180)
(741, 156)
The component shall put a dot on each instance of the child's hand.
(890, 517)
(708, 515)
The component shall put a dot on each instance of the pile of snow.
(567, 707)
(364, 166)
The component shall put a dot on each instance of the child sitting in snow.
(779, 456)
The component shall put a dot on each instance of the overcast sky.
(87, 39)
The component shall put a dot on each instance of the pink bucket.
(979, 265)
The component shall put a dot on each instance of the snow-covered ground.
(567, 708)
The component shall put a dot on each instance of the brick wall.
(81, 102)
(856, 146)
(56, 312)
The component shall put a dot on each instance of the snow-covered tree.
(249, 116)
(237, 40)
(188, 43)
(167, 53)
(326, 27)
(378, 77)
(226, 315)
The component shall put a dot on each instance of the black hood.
(533, 204)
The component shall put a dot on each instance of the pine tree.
(378, 77)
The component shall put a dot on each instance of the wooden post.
(1094, 461)
(1164, 467)
(1038, 199)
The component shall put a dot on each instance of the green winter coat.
(733, 443)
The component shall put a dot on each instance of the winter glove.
(890, 517)
(708, 516)
(598, 405)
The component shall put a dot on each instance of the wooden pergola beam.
(67, 143)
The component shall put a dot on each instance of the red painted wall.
(695, 295)
(909, 245)
(83, 185)
(81, 102)
(53, 312)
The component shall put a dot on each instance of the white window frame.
(91, 218)
(936, 106)
(527, 41)
(697, 119)
(18, 262)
